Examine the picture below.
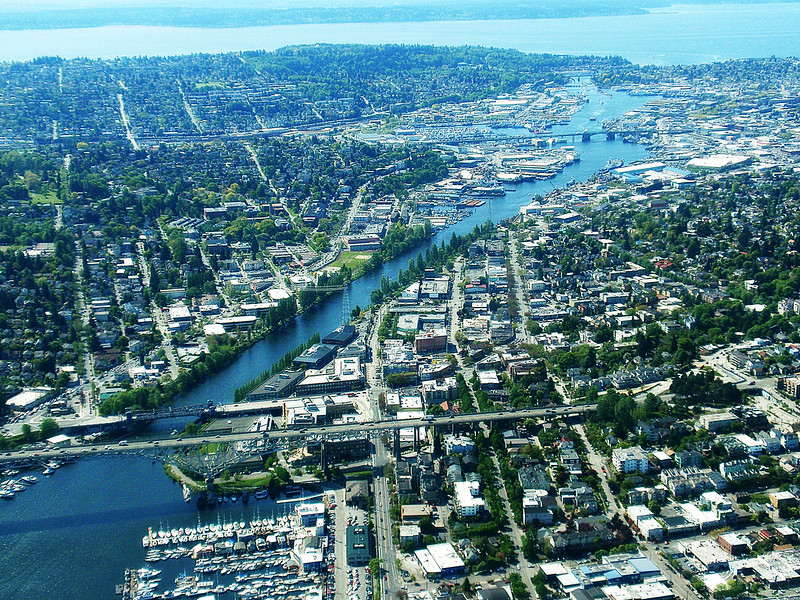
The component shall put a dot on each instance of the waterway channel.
(72, 535)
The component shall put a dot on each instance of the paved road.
(597, 463)
(517, 535)
(383, 527)
(341, 569)
(681, 587)
(375, 428)
(519, 290)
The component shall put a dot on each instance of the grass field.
(349, 259)
(48, 198)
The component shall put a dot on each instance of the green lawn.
(350, 259)
(46, 198)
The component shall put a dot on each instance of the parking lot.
(350, 583)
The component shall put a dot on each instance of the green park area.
(351, 260)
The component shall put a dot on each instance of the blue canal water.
(72, 535)
(676, 34)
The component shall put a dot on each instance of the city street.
(598, 463)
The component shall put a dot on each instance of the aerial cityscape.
(399, 321)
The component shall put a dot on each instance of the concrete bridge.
(209, 455)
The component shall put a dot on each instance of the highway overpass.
(280, 438)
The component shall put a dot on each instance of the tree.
(654, 507)
(48, 428)
(466, 586)
(26, 432)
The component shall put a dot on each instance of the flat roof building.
(344, 375)
(341, 336)
(315, 357)
(29, 398)
(467, 497)
(359, 545)
(434, 340)
(441, 560)
(279, 385)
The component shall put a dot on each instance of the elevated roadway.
(279, 438)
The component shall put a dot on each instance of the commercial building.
(639, 591)
(709, 554)
(441, 560)
(778, 569)
(359, 545)
(434, 340)
(340, 337)
(717, 421)
(310, 513)
(280, 385)
(315, 357)
(29, 398)
(316, 409)
(344, 375)
(354, 446)
(435, 288)
(643, 519)
(733, 543)
(397, 357)
(409, 534)
(236, 323)
(413, 513)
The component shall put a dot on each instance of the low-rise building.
(736, 470)
(409, 534)
(434, 340)
(279, 385)
(343, 375)
(467, 498)
(359, 545)
(440, 560)
(535, 509)
(709, 554)
(733, 543)
(647, 524)
(630, 460)
(717, 421)
(782, 499)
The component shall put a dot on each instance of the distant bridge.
(613, 133)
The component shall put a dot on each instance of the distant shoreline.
(214, 18)
(664, 34)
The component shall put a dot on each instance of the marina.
(259, 559)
